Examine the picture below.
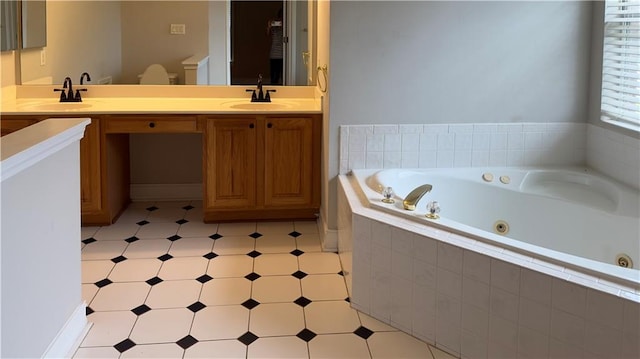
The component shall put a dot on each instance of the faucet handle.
(63, 95)
(268, 97)
(78, 97)
(254, 97)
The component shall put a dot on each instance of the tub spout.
(414, 196)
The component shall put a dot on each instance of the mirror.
(33, 24)
(115, 41)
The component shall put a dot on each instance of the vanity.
(260, 161)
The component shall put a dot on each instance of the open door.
(251, 41)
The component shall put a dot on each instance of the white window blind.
(621, 63)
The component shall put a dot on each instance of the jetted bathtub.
(573, 217)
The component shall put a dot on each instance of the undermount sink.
(246, 105)
(59, 106)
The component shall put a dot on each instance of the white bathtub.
(571, 217)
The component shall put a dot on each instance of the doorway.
(251, 41)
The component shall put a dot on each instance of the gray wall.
(456, 62)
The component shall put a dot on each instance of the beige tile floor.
(159, 283)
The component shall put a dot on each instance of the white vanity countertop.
(136, 99)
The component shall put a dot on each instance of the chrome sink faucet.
(260, 96)
(414, 196)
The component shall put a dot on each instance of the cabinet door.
(90, 174)
(230, 161)
(288, 162)
(9, 125)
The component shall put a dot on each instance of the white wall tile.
(503, 335)
(485, 127)
(446, 141)
(374, 160)
(498, 141)
(402, 241)
(357, 142)
(497, 158)
(534, 127)
(392, 159)
(428, 160)
(411, 142)
(360, 129)
(515, 158)
(602, 340)
(473, 346)
(444, 158)
(424, 274)
(481, 141)
(425, 249)
(428, 142)
(375, 142)
(505, 276)
(411, 128)
(534, 315)
(357, 160)
(381, 234)
(459, 128)
(381, 300)
(450, 257)
(479, 158)
(393, 142)
(569, 297)
(533, 141)
(504, 304)
(462, 158)
(463, 141)
(567, 328)
(385, 129)
(510, 127)
(381, 258)
(476, 293)
(401, 307)
(448, 337)
(532, 344)
(449, 284)
(402, 265)
(476, 266)
(515, 141)
(435, 128)
(559, 349)
(410, 159)
(475, 320)
(605, 309)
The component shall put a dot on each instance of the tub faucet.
(414, 196)
(85, 75)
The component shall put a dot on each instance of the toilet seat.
(155, 74)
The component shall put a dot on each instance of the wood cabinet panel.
(151, 124)
(9, 125)
(230, 148)
(90, 168)
(288, 161)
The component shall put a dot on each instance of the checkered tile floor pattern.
(160, 283)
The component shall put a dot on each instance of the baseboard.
(328, 237)
(68, 338)
(165, 192)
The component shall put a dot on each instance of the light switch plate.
(178, 29)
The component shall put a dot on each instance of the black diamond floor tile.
(88, 310)
(252, 276)
(204, 278)
(174, 238)
(250, 304)
(102, 283)
(152, 208)
(341, 273)
(118, 259)
(299, 274)
(295, 234)
(255, 235)
(89, 240)
(215, 236)
(254, 254)
(297, 252)
(140, 309)
(153, 281)
(165, 257)
(302, 301)
(195, 307)
(306, 335)
(188, 207)
(210, 255)
(363, 332)
(187, 342)
(143, 222)
(182, 221)
(132, 239)
(248, 338)
(125, 345)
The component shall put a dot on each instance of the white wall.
(456, 62)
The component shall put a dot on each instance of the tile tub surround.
(490, 144)
(476, 301)
(159, 283)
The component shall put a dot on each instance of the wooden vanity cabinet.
(261, 167)
(91, 164)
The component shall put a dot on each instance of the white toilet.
(155, 74)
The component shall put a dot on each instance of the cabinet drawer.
(147, 124)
